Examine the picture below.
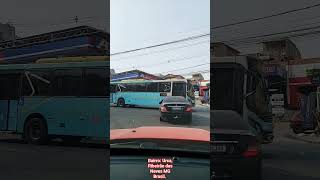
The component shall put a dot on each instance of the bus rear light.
(163, 109)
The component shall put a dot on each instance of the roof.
(78, 41)
(160, 132)
(146, 81)
(54, 65)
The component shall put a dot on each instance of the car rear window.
(228, 120)
(175, 99)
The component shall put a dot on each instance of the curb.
(291, 136)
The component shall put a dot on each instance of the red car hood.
(159, 132)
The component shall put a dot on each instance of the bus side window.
(26, 87)
(113, 88)
(165, 87)
(141, 87)
(67, 82)
(10, 86)
(41, 82)
(153, 87)
(95, 82)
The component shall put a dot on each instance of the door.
(96, 102)
(70, 112)
(4, 108)
(9, 94)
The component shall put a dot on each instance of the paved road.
(290, 159)
(136, 117)
(52, 162)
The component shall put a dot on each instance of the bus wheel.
(35, 131)
(121, 102)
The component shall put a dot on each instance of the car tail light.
(163, 109)
(252, 150)
(189, 109)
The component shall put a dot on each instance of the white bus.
(239, 85)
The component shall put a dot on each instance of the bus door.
(97, 93)
(69, 109)
(9, 95)
(179, 89)
(4, 109)
(113, 89)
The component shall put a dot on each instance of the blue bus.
(148, 93)
(55, 98)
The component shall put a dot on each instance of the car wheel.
(121, 103)
(35, 131)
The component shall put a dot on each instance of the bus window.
(95, 83)
(9, 86)
(165, 87)
(179, 89)
(40, 81)
(141, 88)
(26, 86)
(67, 82)
(113, 88)
(152, 87)
(127, 87)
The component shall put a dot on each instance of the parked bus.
(239, 86)
(51, 99)
(148, 93)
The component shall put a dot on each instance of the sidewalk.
(309, 138)
(282, 129)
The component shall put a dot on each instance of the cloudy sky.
(140, 23)
(230, 11)
(38, 16)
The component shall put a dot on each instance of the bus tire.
(36, 131)
(121, 103)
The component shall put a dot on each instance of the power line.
(170, 61)
(272, 34)
(234, 31)
(266, 17)
(164, 50)
(163, 44)
(279, 38)
(186, 68)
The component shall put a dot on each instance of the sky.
(39, 16)
(140, 23)
(230, 11)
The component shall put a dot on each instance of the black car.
(175, 109)
(235, 149)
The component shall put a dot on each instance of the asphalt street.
(52, 162)
(290, 159)
(285, 158)
(133, 117)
